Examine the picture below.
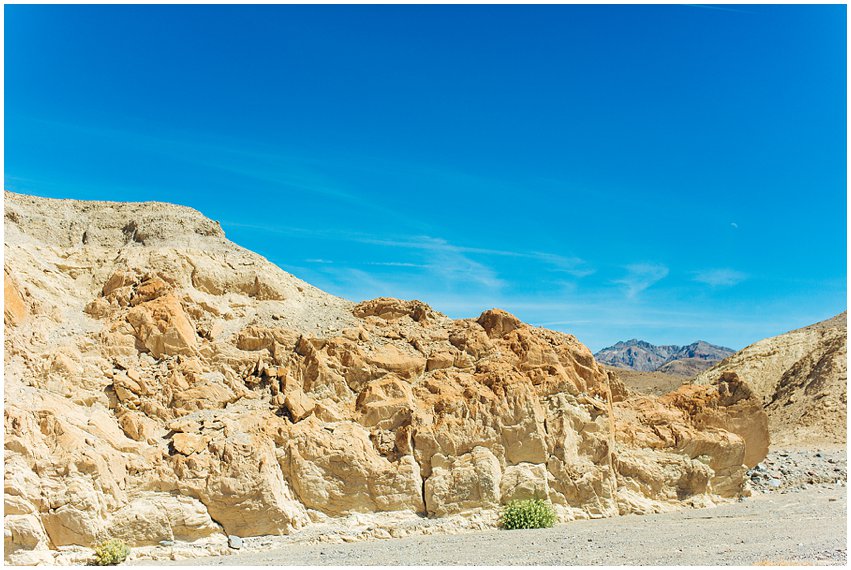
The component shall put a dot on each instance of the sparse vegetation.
(111, 552)
(529, 513)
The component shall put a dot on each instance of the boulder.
(154, 517)
(163, 327)
(498, 323)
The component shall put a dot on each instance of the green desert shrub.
(110, 552)
(529, 513)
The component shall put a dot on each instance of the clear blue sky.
(668, 173)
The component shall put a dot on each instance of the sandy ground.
(653, 383)
(806, 527)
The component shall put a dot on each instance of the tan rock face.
(152, 516)
(497, 323)
(186, 398)
(14, 308)
(729, 405)
(162, 326)
(188, 443)
(801, 377)
(463, 482)
(390, 309)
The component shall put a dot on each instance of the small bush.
(110, 552)
(531, 513)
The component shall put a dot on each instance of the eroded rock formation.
(164, 384)
(801, 377)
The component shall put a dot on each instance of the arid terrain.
(653, 383)
(169, 388)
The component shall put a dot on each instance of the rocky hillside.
(672, 359)
(801, 377)
(163, 385)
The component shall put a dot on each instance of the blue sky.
(667, 172)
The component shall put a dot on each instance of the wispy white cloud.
(454, 262)
(359, 284)
(397, 264)
(456, 268)
(574, 266)
(640, 276)
(441, 268)
(720, 277)
(448, 263)
(435, 243)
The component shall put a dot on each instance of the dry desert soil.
(653, 383)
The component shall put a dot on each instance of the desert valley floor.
(800, 523)
(745, 533)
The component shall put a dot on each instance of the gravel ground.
(803, 526)
(792, 470)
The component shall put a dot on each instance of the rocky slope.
(164, 384)
(672, 359)
(801, 377)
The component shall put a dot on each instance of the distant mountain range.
(672, 359)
